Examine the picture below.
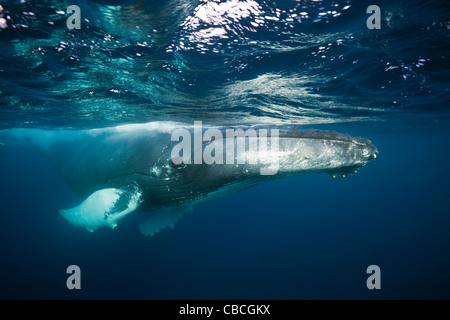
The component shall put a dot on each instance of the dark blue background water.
(306, 237)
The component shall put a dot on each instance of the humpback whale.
(119, 170)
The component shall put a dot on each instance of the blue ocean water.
(308, 63)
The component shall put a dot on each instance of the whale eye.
(365, 152)
(328, 143)
(177, 166)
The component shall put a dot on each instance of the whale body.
(121, 169)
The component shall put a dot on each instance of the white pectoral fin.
(104, 208)
(163, 219)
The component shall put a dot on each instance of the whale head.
(309, 151)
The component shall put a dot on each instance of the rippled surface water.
(302, 62)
